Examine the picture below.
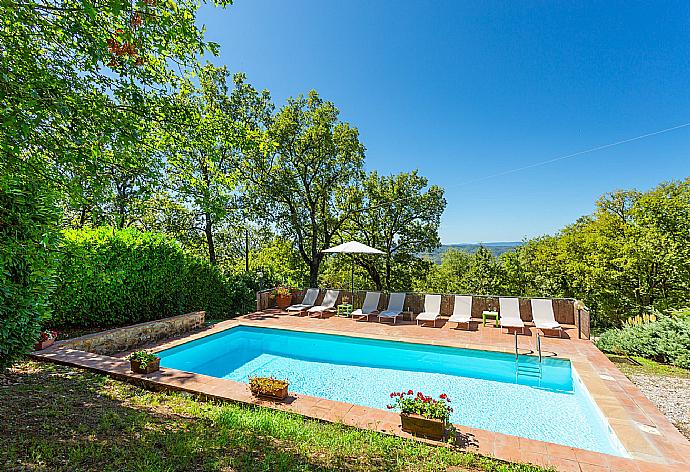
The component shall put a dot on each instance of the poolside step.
(528, 370)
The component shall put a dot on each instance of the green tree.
(302, 179)
(400, 217)
(629, 256)
(484, 276)
(203, 157)
(446, 277)
(72, 72)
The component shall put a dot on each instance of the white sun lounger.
(432, 309)
(369, 307)
(307, 302)
(462, 310)
(328, 304)
(396, 301)
(544, 319)
(509, 312)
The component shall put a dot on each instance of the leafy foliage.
(665, 340)
(420, 404)
(143, 358)
(631, 255)
(202, 157)
(112, 277)
(400, 216)
(266, 385)
(28, 239)
(301, 180)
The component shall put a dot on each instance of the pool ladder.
(527, 370)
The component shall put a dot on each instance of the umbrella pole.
(352, 282)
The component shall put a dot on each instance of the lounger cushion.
(359, 312)
(316, 309)
(460, 318)
(512, 323)
(547, 324)
(390, 314)
(427, 316)
(298, 307)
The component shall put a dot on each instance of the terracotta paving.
(652, 442)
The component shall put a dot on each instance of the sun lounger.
(543, 317)
(328, 304)
(509, 312)
(307, 302)
(462, 310)
(396, 301)
(432, 309)
(369, 307)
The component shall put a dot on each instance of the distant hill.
(496, 249)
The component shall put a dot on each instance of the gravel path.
(671, 395)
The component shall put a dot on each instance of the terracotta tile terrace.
(652, 442)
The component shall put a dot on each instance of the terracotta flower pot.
(283, 301)
(43, 344)
(426, 427)
(150, 366)
(280, 395)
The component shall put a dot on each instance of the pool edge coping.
(621, 423)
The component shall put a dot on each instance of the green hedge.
(665, 340)
(109, 278)
(28, 238)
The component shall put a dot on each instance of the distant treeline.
(494, 248)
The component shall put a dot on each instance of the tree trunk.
(82, 216)
(314, 273)
(208, 229)
(388, 272)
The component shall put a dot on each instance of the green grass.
(70, 420)
(643, 366)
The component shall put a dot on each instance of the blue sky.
(464, 90)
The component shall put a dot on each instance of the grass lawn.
(639, 365)
(61, 418)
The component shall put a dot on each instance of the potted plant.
(283, 296)
(143, 362)
(422, 415)
(47, 338)
(268, 387)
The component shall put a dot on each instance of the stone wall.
(129, 337)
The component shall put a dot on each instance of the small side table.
(490, 314)
(345, 309)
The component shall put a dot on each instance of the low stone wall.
(130, 337)
(563, 308)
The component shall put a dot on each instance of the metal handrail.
(516, 346)
(539, 345)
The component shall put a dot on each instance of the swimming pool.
(489, 390)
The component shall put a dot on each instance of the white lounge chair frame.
(432, 309)
(307, 301)
(396, 304)
(509, 313)
(462, 311)
(327, 304)
(544, 318)
(369, 307)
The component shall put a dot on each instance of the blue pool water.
(487, 389)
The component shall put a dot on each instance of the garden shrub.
(113, 277)
(665, 340)
(28, 239)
